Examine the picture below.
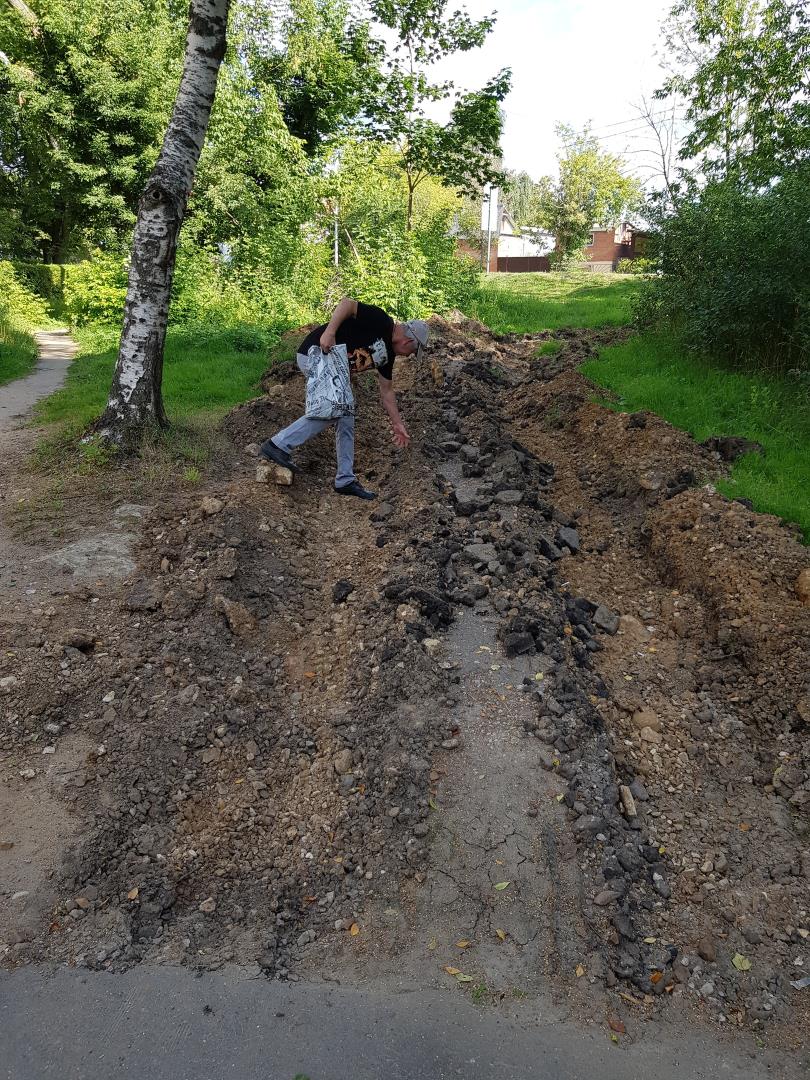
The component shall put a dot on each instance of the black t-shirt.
(367, 337)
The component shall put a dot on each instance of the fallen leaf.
(539, 676)
(463, 944)
(310, 899)
(615, 1024)
(744, 826)
(499, 862)
(740, 962)
(579, 971)
(662, 851)
(656, 977)
(354, 929)
(649, 940)
(503, 885)
(54, 927)
(432, 944)
(133, 894)
(451, 970)
(309, 674)
(432, 804)
(464, 978)
(614, 1039)
(501, 934)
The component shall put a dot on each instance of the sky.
(573, 62)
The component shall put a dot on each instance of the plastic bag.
(329, 385)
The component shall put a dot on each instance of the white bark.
(135, 395)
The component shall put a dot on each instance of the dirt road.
(531, 728)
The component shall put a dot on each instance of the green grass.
(654, 372)
(200, 375)
(18, 354)
(529, 303)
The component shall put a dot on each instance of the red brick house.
(607, 246)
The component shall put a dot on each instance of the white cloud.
(573, 61)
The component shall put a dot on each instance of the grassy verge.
(529, 303)
(201, 374)
(18, 354)
(652, 371)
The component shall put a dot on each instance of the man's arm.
(389, 403)
(346, 309)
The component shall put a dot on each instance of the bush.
(94, 291)
(736, 273)
(21, 312)
(47, 280)
(636, 266)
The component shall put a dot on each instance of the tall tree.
(85, 93)
(742, 67)
(464, 152)
(592, 188)
(135, 396)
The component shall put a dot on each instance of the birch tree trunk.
(135, 399)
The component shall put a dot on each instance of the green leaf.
(503, 885)
(740, 962)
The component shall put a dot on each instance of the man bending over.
(372, 340)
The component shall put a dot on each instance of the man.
(372, 340)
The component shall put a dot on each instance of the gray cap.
(418, 331)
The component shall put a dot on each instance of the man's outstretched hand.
(401, 436)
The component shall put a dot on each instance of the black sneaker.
(270, 452)
(357, 489)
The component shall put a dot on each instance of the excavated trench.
(536, 718)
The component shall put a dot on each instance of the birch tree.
(135, 399)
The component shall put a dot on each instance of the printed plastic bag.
(329, 385)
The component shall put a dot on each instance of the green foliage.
(592, 189)
(519, 196)
(21, 312)
(462, 153)
(636, 266)
(95, 290)
(530, 303)
(736, 273)
(654, 371)
(743, 70)
(84, 101)
(320, 59)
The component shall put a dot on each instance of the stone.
(341, 590)
(432, 646)
(481, 553)
(144, 595)
(605, 897)
(604, 619)
(208, 907)
(588, 824)
(510, 497)
(382, 512)
(242, 622)
(650, 481)
(342, 761)
(547, 549)
(650, 735)
(707, 950)
(569, 538)
(638, 791)
(627, 800)
(270, 472)
(646, 718)
(211, 505)
(8, 682)
(802, 585)
(518, 644)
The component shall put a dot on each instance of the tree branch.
(26, 14)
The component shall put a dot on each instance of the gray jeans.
(304, 428)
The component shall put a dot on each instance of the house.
(521, 249)
(607, 245)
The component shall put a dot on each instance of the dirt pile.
(264, 712)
